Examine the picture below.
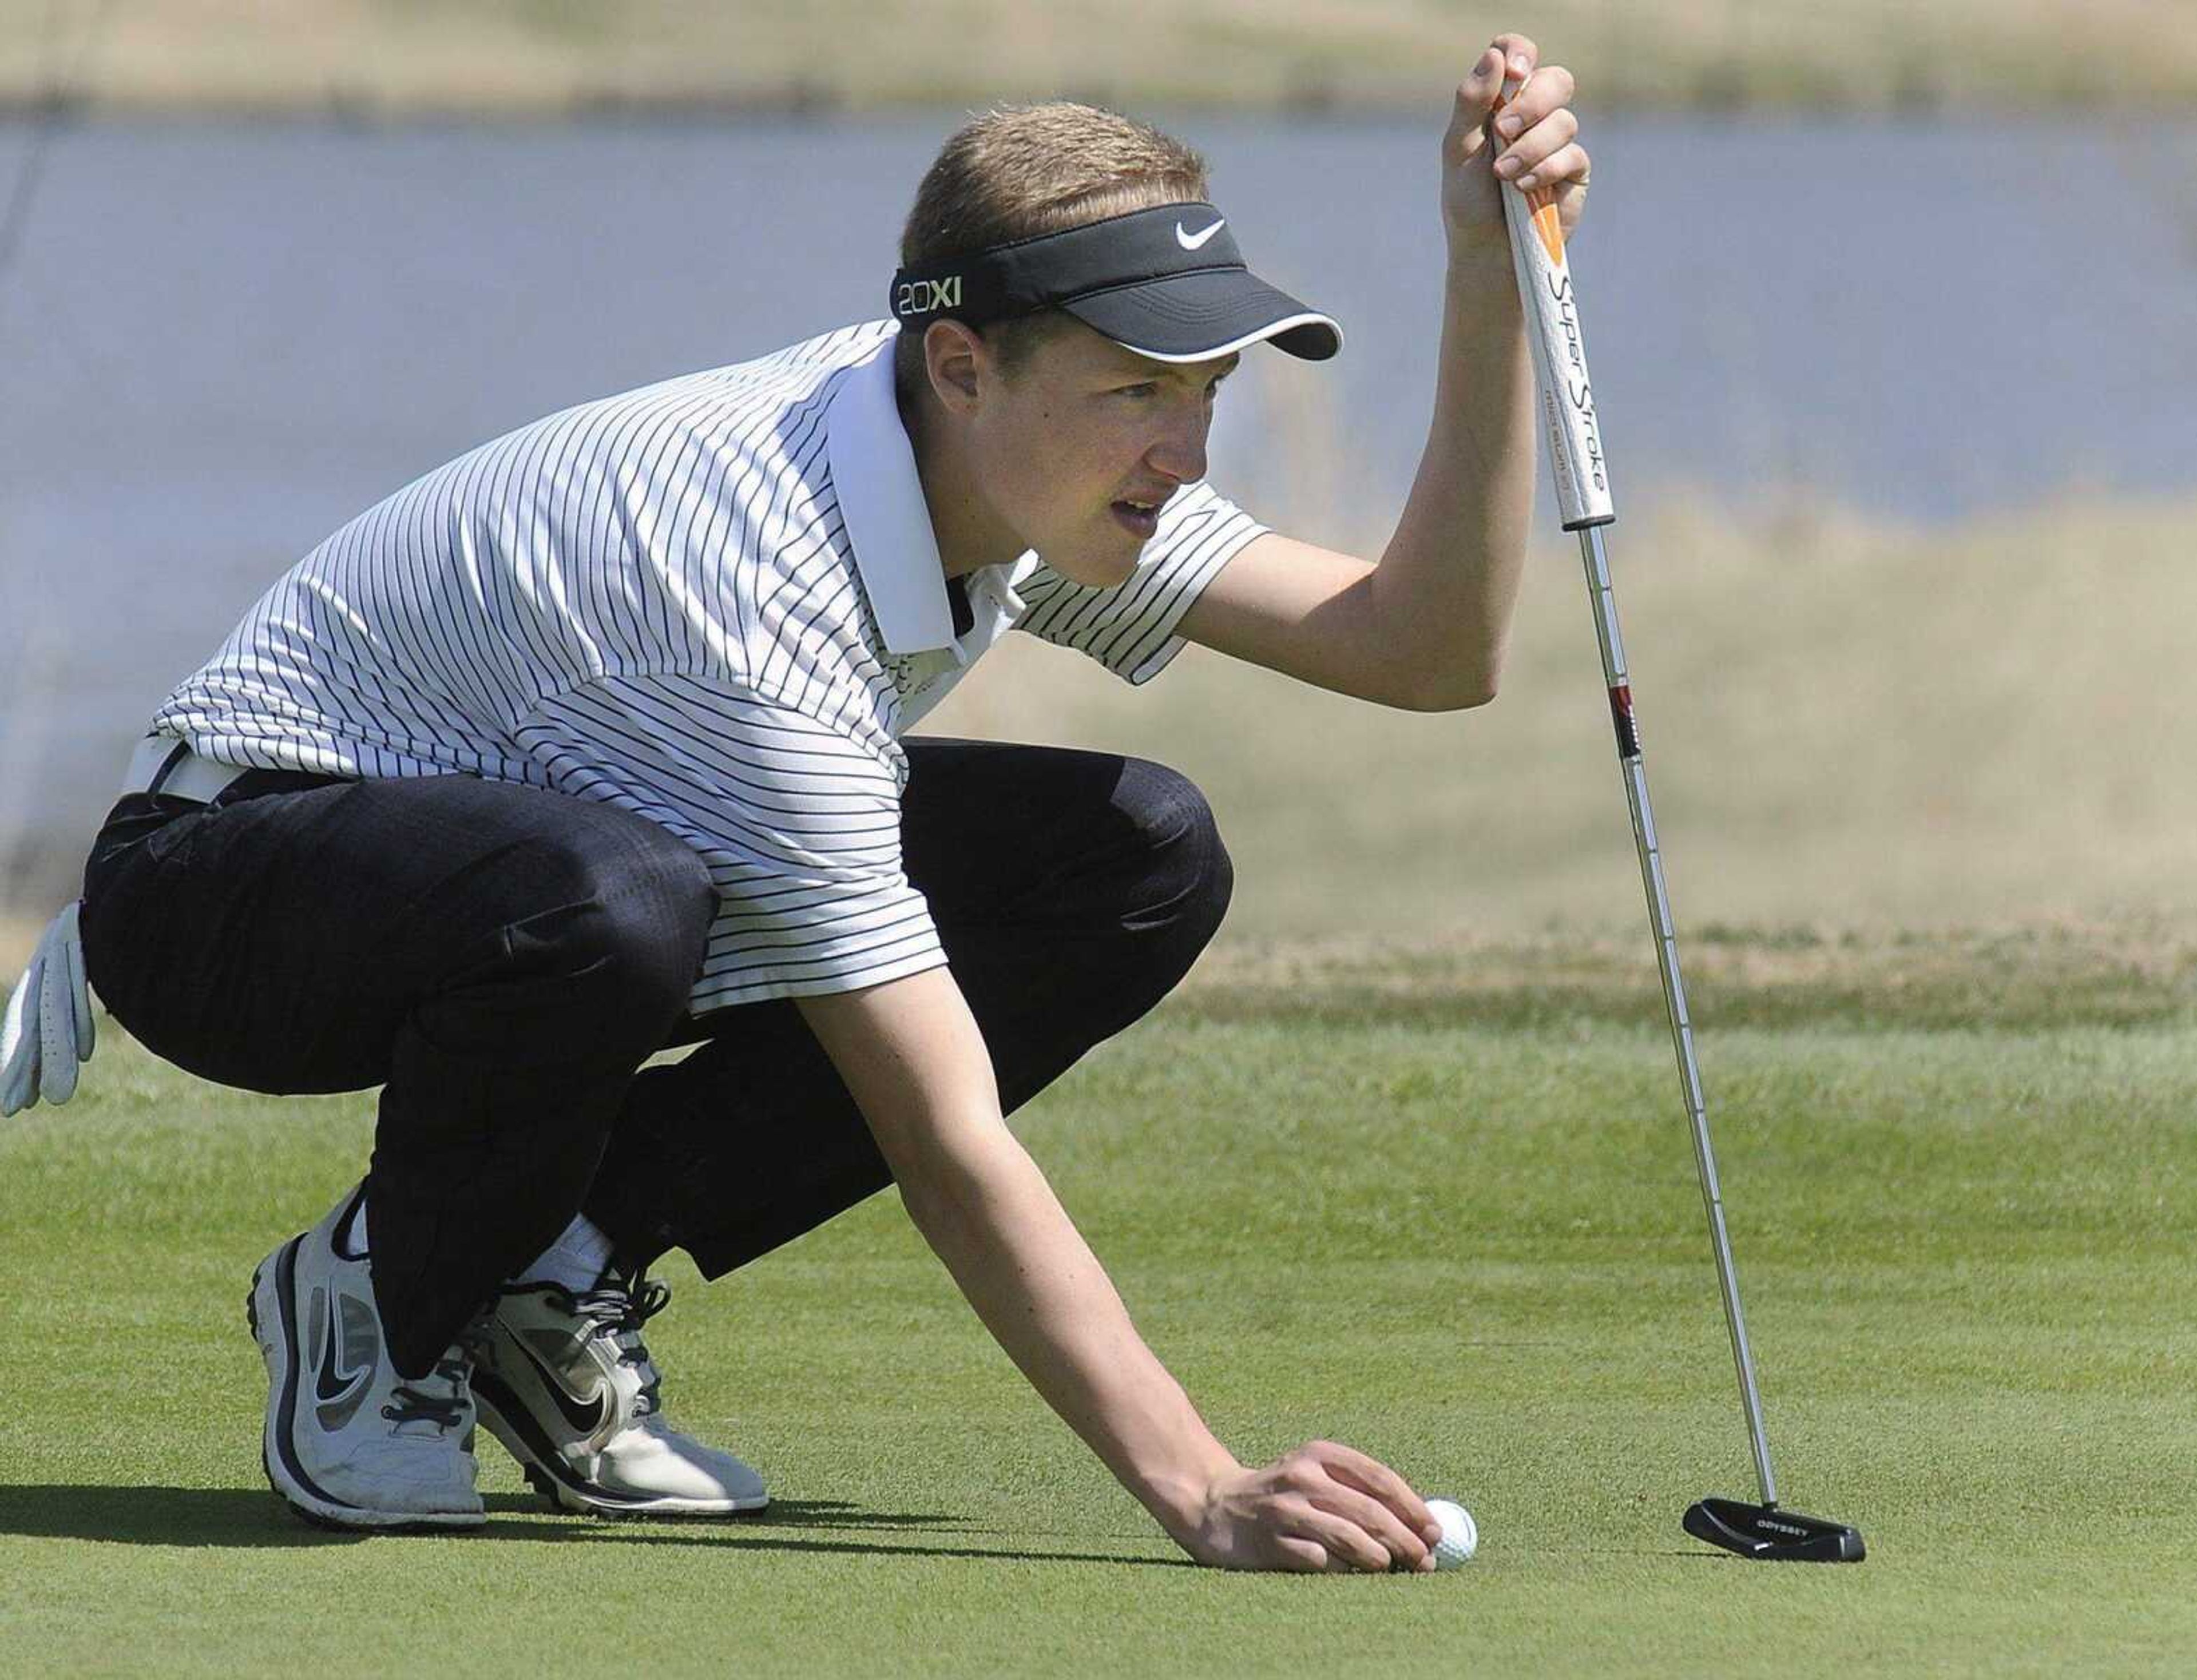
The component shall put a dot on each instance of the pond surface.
(218, 341)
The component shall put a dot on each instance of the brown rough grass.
(2125, 973)
(559, 56)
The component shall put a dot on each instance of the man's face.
(1078, 445)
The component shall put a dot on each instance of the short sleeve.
(799, 824)
(1130, 629)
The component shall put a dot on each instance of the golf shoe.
(350, 1443)
(565, 1383)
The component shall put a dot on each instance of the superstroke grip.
(1552, 329)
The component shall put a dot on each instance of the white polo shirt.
(716, 602)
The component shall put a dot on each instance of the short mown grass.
(1451, 1224)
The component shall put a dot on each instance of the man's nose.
(1181, 454)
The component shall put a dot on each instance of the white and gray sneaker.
(564, 1381)
(350, 1443)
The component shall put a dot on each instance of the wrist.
(1479, 256)
(1180, 1494)
(1479, 300)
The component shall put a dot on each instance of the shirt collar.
(888, 522)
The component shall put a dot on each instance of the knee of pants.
(606, 933)
(1189, 876)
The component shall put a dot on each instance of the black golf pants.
(502, 960)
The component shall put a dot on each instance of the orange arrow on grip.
(1548, 221)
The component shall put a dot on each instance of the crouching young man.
(588, 744)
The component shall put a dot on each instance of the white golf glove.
(48, 1030)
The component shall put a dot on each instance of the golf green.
(1465, 1235)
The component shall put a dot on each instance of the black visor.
(1167, 283)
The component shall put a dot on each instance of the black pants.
(501, 960)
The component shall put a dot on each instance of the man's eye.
(1142, 388)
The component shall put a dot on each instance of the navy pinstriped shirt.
(716, 602)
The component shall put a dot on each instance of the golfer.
(590, 743)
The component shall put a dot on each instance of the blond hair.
(1025, 170)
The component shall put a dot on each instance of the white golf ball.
(1460, 1535)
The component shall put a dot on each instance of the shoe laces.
(618, 1307)
(441, 1398)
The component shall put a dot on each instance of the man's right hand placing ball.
(1324, 1507)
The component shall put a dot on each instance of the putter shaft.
(1573, 434)
(1596, 561)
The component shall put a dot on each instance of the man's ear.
(952, 355)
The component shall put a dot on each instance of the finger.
(1571, 197)
(1307, 1556)
(1567, 167)
(1549, 91)
(56, 1020)
(1376, 1519)
(1370, 1476)
(1348, 1545)
(19, 1043)
(1537, 145)
(1519, 57)
(87, 1025)
(1483, 81)
(1475, 98)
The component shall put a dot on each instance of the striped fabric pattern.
(657, 600)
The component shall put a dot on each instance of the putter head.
(1773, 1533)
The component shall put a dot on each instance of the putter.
(1765, 1530)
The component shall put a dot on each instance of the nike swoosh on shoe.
(337, 1391)
(585, 1419)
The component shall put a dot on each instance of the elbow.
(952, 1195)
(1454, 675)
(937, 1200)
(1468, 699)
(945, 1216)
(1453, 694)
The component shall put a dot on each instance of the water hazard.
(218, 341)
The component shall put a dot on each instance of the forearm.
(1448, 582)
(915, 1060)
(991, 1217)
